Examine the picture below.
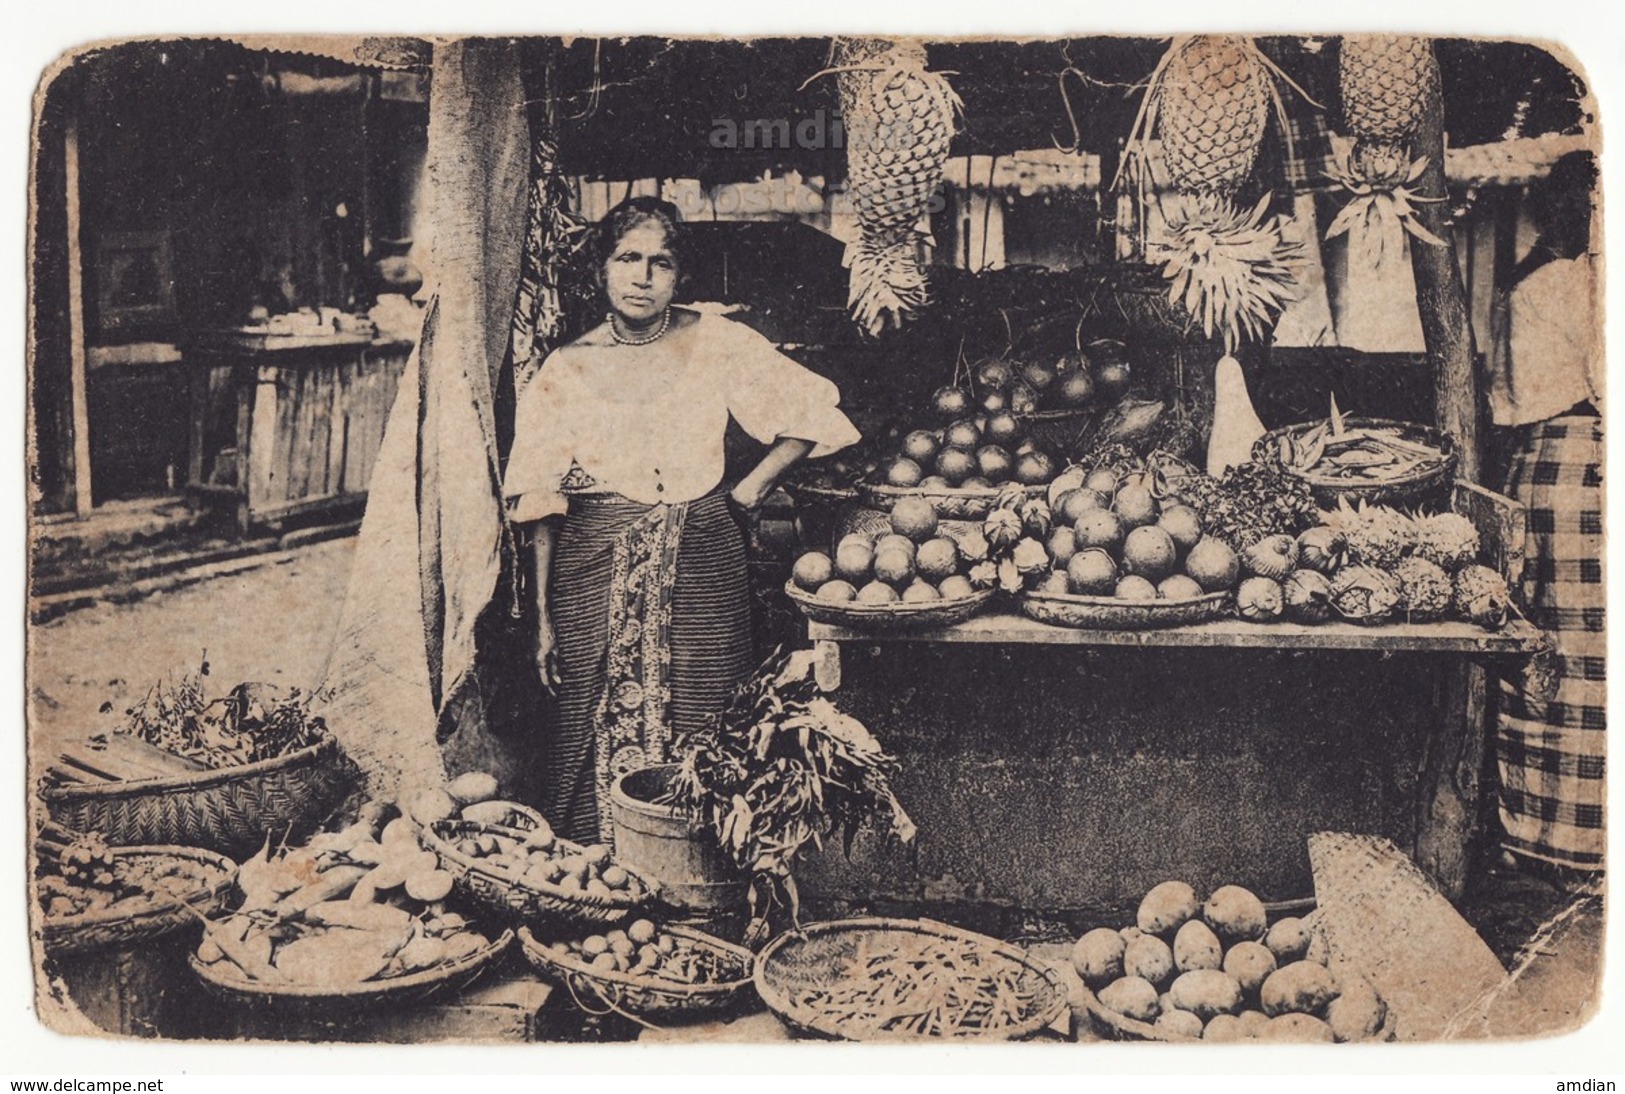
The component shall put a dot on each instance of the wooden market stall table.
(288, 424)
(1115, 759)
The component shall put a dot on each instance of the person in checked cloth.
(617, 465)
(1546, 385)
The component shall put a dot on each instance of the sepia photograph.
(612, 540)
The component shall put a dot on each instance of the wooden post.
(76, 325)
(1447, 798)
(1442, 301)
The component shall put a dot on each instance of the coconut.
(1273, 557)
(1322, 548)
(1260, 600)
(1308, 595)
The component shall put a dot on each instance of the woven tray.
(228, 982)
(1107, 613)
(506, 896)
(229, 810)
(646, 997)
(951, 503)
(887, 617)
(123, 928)
(1119, 1027)
(819, 955)
(1428, 481)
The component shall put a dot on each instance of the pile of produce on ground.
(361, 904)
(922, 985)
(913, 564)
(79, 874)
(642, 949)
(1218, 970)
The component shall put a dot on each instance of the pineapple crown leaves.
(1382, 207)
(1231, 270)
(887, 283)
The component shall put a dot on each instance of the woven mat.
(1381, 915)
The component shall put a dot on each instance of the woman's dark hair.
(633, 212)
(1560, 204)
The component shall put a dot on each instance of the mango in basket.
(1302, 987)
(1197, 947)
(1166, 908)
(1133, 997)
(1097, 957)
(1205, 993)
(1358, 1012)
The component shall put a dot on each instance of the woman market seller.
(1546, 386)
(617, 464)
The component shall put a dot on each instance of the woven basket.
(1118, 1027)
(822, 954)
(230, 810)
(123, 928)
(887, 617)
(506, 896)
(1428, 482)
(951, 503)
(1110, 613)
(646, 998)
(228, 982)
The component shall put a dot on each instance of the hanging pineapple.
(899, 120)
(1384, 80)
(1208, 102)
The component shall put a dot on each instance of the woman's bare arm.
(544, 533)
(754, 488)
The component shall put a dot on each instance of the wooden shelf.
(1518, 638)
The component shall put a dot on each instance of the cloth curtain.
(410, 694)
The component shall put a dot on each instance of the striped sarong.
(1550, 752)
(652, 611)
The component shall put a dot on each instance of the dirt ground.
(273, 622)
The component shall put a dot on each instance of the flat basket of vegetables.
(93, 896)
(526, 874)
(257, 760)
(230, 982)
(668, 973)
(903, 979)
(1376, 460)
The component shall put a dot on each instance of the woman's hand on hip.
(547, 652)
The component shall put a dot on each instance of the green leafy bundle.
(781, 768)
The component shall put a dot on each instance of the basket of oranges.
(913, 577)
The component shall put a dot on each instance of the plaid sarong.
(1550, 752)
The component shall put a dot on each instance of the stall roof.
(655, 107)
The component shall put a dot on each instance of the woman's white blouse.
(647, 422)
